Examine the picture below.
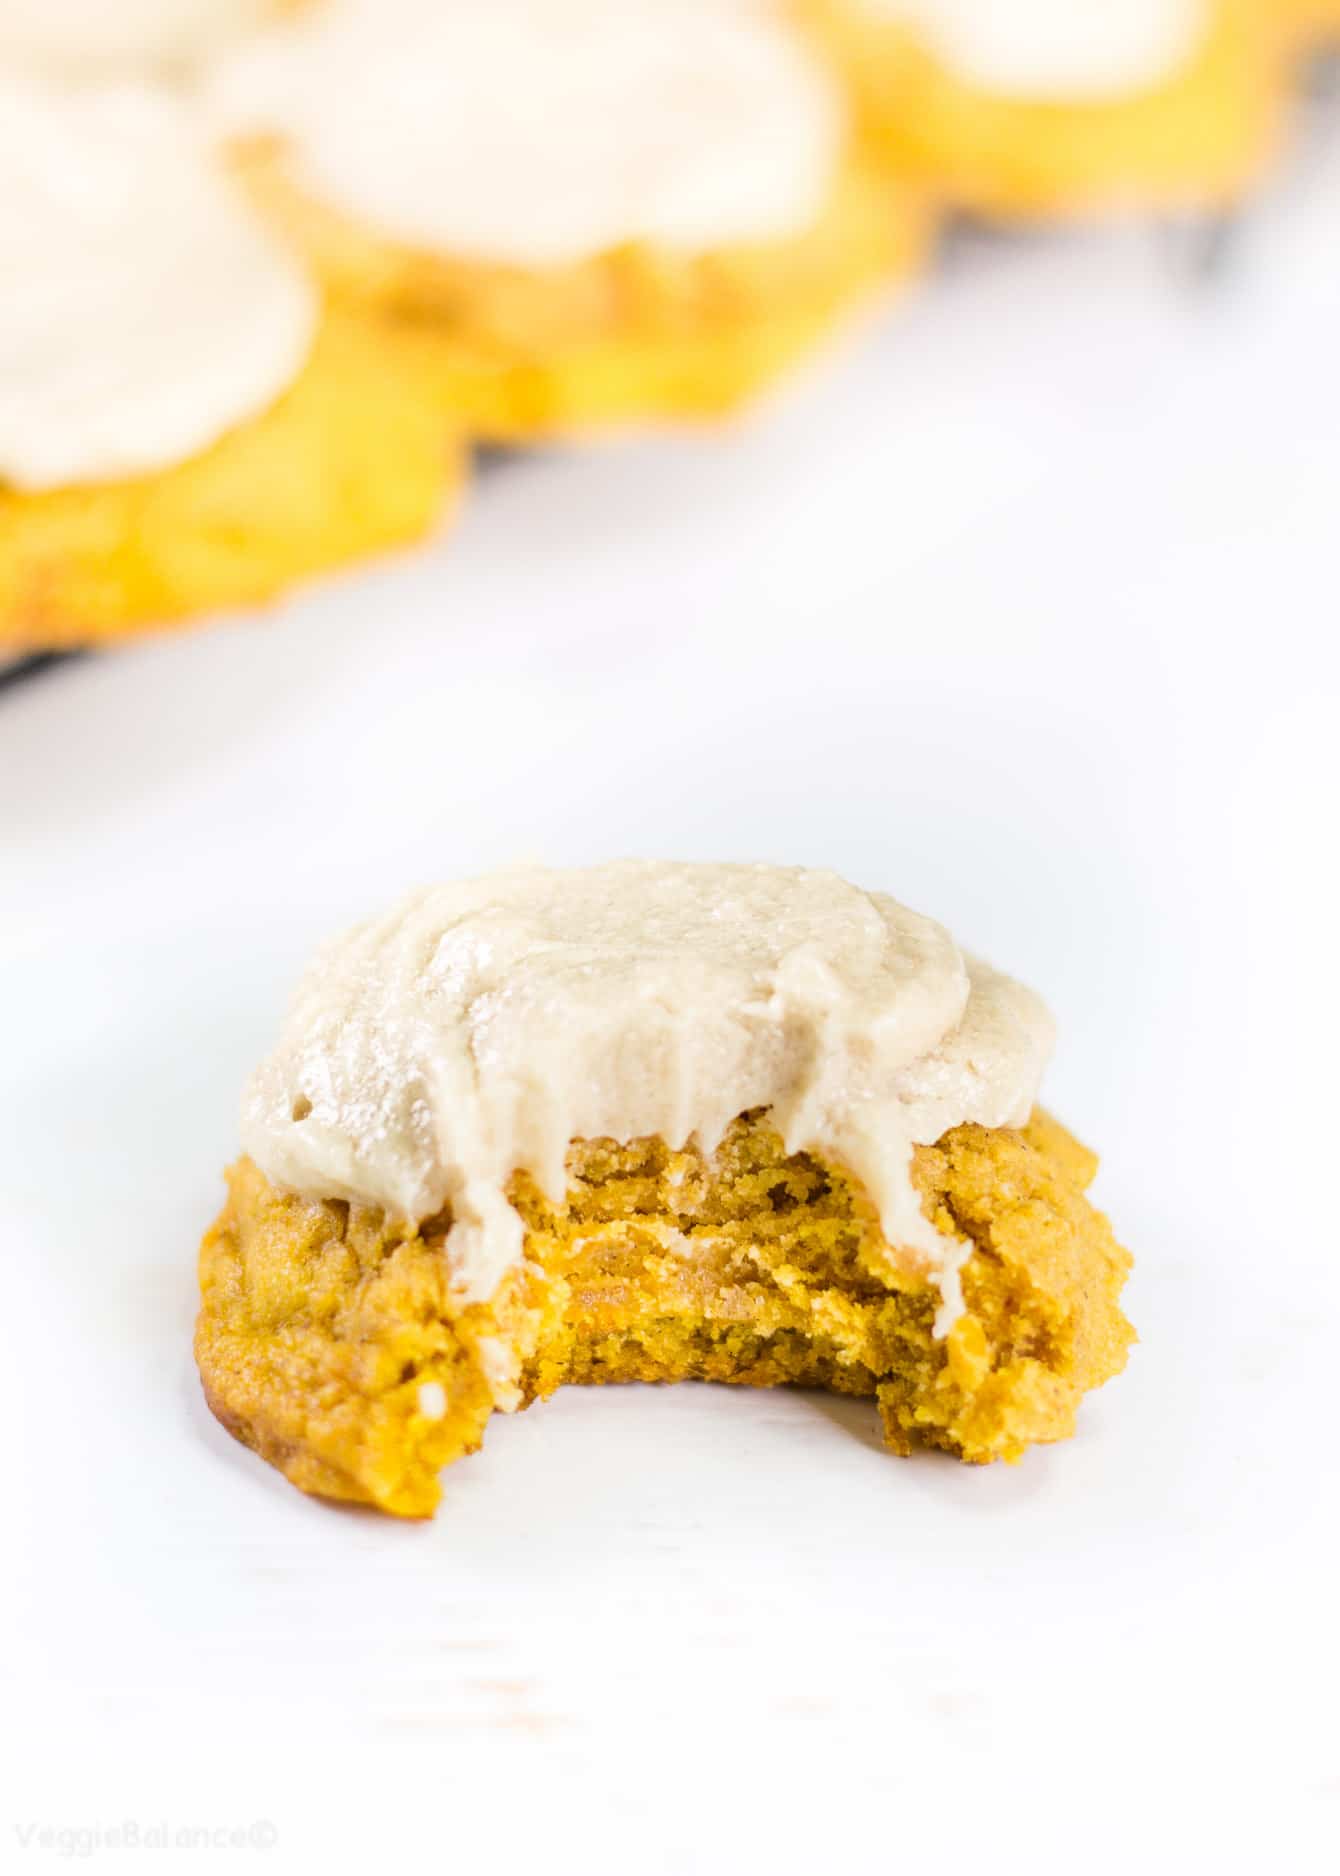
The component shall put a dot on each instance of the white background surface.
(1026, 611)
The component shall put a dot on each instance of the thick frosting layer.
(539, 132)
(85, 34)
(480, 1026)
(1058, 50)
(144, 311)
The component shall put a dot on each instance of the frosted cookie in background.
(1034, 109)
(589, 212)
(180, 426)
(126, 38)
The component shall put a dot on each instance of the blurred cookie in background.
(180, 427)
(1034, 109)
(1315, 22)
(126, 37)
(587, 213)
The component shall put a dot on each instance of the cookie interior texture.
(329, 1340)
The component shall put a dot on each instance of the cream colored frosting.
(1058, 50)
(539, 132)
(480, 1027)
(93, 34)
(144, 311)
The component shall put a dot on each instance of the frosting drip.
(1058, 50)
(479, 1027)
(144, 312)
(541, 132)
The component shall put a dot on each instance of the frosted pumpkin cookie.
(589, 212)
(649, 1122)
(129, 37)
(179, 428)
(1016, 109)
